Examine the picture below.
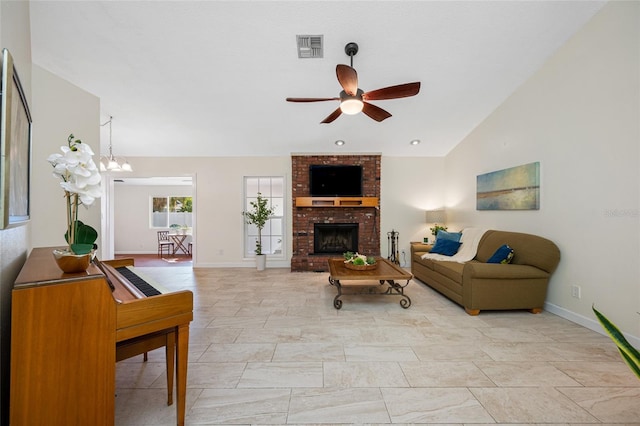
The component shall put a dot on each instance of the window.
(167, 211)
(273, 242)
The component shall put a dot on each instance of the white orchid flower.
(80, 179)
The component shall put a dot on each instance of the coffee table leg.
(394, 287)
(337, 303)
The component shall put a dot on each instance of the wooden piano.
(68, 331)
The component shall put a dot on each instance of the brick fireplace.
(366, 218)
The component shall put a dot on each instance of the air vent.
(309, 46)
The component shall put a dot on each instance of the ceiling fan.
(353, 100)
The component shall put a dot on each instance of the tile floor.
(270, 348)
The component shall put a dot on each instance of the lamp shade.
(434, 216)
(126, 167)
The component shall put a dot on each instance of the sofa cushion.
(417, 257)
(451, 270)
(444, 235)
(446, 247)
(503, 255)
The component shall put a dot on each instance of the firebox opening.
(335, 238)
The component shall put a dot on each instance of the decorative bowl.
(350, 265)
(70, 263)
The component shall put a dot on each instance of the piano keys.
(68, 331)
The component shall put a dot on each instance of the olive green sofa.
(477, 285)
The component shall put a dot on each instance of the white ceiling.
(210, 78)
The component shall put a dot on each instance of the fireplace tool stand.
(392, 244)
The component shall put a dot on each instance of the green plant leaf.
(635, 367)
(81, 248)
(630, 355)
(86, 236)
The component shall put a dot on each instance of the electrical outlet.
(402, 251)
(576, 291)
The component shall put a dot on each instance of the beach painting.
(516, 188)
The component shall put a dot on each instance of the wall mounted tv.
(335, 181)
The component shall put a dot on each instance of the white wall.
(579, 117)
(14, 241)
(408, 187)
(218, 201)
(59, 109)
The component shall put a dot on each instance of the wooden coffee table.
(385, 272)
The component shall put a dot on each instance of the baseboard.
(118, 253)
(270, 264)
(590, 323)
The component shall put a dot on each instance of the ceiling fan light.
(126, 167)
(351, 106)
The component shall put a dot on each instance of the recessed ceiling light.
(339, 142)
(415, 142)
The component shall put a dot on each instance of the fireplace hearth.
(335, 238)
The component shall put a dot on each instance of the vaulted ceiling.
(210, 78)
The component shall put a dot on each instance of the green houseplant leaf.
(629, 354)
(86, 236)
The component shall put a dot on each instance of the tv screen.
(335, 181)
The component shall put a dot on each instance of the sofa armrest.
(420, 247)
(499, 271)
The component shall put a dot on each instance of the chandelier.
(111, 163)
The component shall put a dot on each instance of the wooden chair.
(165, 242)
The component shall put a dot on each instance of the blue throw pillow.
(503, 255)
(453, 236)
(446, 247)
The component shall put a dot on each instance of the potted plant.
(80, 180)
(258, 216)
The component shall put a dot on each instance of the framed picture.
(15, 147)
(515, 188)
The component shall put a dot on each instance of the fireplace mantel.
(337, 201)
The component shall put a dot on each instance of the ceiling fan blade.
(375, 112)
(348, 79)
(335, 114)
(393, 92)
(311, 99)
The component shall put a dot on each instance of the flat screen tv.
(335, 181)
